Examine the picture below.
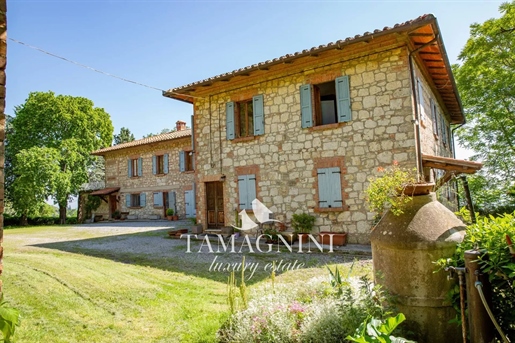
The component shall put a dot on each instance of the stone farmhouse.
(305, 131)
(145, 177)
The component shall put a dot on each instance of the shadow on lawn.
(155, 249)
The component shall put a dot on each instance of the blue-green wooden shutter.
(420, 91)
(324, 188)
(444, 130)
(329, 188)
(182, 161)
(194, 195)
(229, 120)
(158, 199)
(434, 116)
(242, 192)
(129, 168)
(143, 199)
(172, 201)
(258, 111)
(154, 165)
(246, 190)
(140, 166)
(128, 200)
(193, 133)
(306, 110)
(251, 189)
(165, 163)
(343, 99)
(335, 199)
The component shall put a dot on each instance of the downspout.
(416, 120)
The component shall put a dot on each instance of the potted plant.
(117, 214)
(271, 235)
(303, 225)
(394, 189)
(170, 213)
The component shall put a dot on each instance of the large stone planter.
(403, 249)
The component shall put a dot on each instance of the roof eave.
(179, 93)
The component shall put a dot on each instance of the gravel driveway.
(147, 243)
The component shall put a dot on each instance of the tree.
(124, 136)
(160, 133)
(36, 169)
(486, 81)
(66, 126)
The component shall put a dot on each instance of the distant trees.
(160, 133)
(48, 149)
(486, 81)
(124, 136)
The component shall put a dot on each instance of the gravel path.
(148, 243)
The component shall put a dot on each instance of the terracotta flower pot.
(339, 238)
(418, 188)
(303, 237)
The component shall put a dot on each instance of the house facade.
(304, 132)
(145, 177)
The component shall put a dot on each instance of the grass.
(83, 295)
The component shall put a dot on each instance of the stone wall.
(117, 176)
(287, 156)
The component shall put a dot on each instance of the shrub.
(305, 312)
(302, 223)
(488, 235)
(169, 211)
(386, 191)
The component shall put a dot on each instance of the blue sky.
(171, 43)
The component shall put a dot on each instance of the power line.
(94, 69)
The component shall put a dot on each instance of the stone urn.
(404, 248)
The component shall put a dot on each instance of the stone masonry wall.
(117, 176)
(286, 156)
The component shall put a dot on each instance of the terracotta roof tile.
(348, 40)
(149, 140)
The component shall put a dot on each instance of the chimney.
(180, 125)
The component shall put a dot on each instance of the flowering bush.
(386, 191)
(305, 312)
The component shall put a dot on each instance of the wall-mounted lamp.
(222, 178)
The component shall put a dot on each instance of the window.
(186, 161)
(135, 167)
(245, 118)
(135, 200)
(160, 164)
(158, 199)
(325, 103)
(329, 188)
(434, 117)
(246, 191)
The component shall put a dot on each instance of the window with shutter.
(135, 200)
(186, 161)
(329, 188)
(245, 118)
(246, 191)
(159, 165)
(133, 167)
(127, 200)
(325, 103)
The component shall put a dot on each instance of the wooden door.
(113, 204)
(215, 204)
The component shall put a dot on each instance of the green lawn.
(68, 295)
